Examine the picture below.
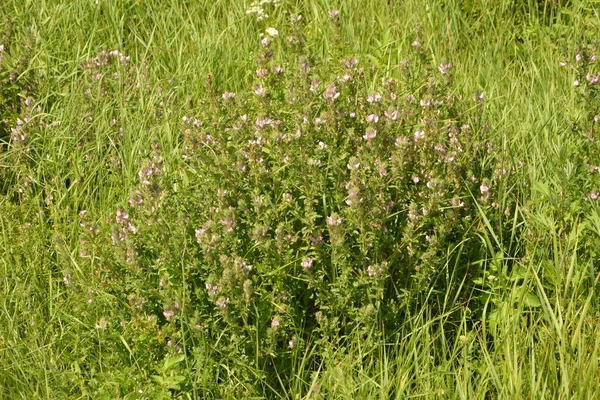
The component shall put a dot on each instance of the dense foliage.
(314, 223)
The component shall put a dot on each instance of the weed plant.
(287, 199)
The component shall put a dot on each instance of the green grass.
(510, 311)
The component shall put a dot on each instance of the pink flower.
(333, 13)
(332, 221)
(314, 85)
(260, 91)
(372, 118)
(275, 323)
(262, 72)
(169, 314)
(307, 263)
(419, 134)
(351, 63)
(228, 95)
(212, 289)
(331, 93)
(374, 98)
(444, 68)
(391, 114)
(222, 302)
(371, 133)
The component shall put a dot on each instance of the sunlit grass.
(510, 310)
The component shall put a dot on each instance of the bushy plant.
(303, 210)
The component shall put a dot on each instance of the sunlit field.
(285, 199)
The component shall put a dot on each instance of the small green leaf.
(170, 362)
(531, 300)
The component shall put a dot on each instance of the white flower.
(271, 32)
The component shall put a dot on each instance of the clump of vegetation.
(308, 224)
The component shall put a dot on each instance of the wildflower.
(307, 263)
(262, 72)
(275, 323)
(372, 118)
(578, 57)
(331, 93)
(444, 68)
(102, 324)
(401, 140)
(271, 32)
(351, 63)
(169, 314)
(371, 133)
(277, 69)
(304, 67)
(419, 134)
(292, 343)
(316, 239)
(576, 83)
(374, 271)
(227, 96)
(333, 14)
(332, 221)
(314, 85)
(212, 289)
(415, 44)
(122, 217)
(374, 98)
(131, 228)
(260, 91)
(222, 302)
(484, 189)
(391, 114)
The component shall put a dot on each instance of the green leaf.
(531, 300)
(170, 362)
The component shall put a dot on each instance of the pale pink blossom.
(371, 133)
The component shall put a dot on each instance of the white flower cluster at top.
(258, 8)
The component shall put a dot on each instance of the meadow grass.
(144, 257)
